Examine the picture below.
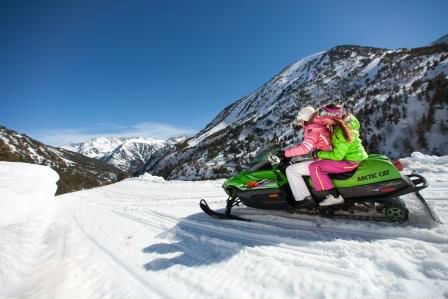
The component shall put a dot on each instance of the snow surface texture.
(25, 189)
(147, 238)
(26, 202)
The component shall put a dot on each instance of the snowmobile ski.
(428, 208)
(204, 206)
(420, 183)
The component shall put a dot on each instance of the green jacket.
(342, 149)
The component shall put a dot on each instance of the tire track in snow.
(266, 232)
(157, 224)
(191, 255)
(200, 245)
(361, 234)
(49, 273)
(128, 271)
(274, 230)
(190, 229)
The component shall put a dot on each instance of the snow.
(127, 154)
(372, 68)
(147, 238)
(96, 147)
(25, 189)
(26, 202)
(146, 140)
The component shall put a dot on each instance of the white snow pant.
(295, 173)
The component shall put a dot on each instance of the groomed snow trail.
(147, 238)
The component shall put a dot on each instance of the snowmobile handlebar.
(274, 158)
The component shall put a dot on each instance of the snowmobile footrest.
(428, 208)
(204, 206)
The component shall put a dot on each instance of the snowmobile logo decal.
(373, 176)
(260, 184)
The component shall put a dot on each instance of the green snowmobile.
(371, 191)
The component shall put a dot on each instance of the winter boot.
(333, 198)
(307, 203)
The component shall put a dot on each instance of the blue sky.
(72, 70)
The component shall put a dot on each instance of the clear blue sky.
(74, 69)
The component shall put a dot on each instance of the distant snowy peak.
(97, 147)
(145, 140)
(174, 140)
(127, 154)
(133, 153)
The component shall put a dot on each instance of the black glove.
(281, 155)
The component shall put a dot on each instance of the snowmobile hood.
(260, 179)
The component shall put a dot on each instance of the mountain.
(442, 40)
(400, 97)
(132, 154)
(76, 171)
(127, 154)
(97, 147)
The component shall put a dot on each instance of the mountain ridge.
(127, 154)
(76, 171)
(387, 89)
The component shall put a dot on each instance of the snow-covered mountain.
(76, 171)
(127, 154)
(97, 147)
(132, 154)
(400, 97)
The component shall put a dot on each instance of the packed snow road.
(147, 238)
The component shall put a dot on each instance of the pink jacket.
(316, 136)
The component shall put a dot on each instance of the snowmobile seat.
(343, 175)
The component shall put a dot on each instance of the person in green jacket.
(346, 154)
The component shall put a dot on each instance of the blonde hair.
(346, 131)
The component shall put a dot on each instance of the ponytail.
(346, 131)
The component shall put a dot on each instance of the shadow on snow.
(199, 240)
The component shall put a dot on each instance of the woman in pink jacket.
(316, 136)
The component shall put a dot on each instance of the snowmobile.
(371, 192)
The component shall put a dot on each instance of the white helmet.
(305, 113)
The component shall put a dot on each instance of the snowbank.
(417, 156)
(25, 189)
(26, 201)
(149, 178)
(433, 168)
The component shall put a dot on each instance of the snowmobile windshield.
(260, 162)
